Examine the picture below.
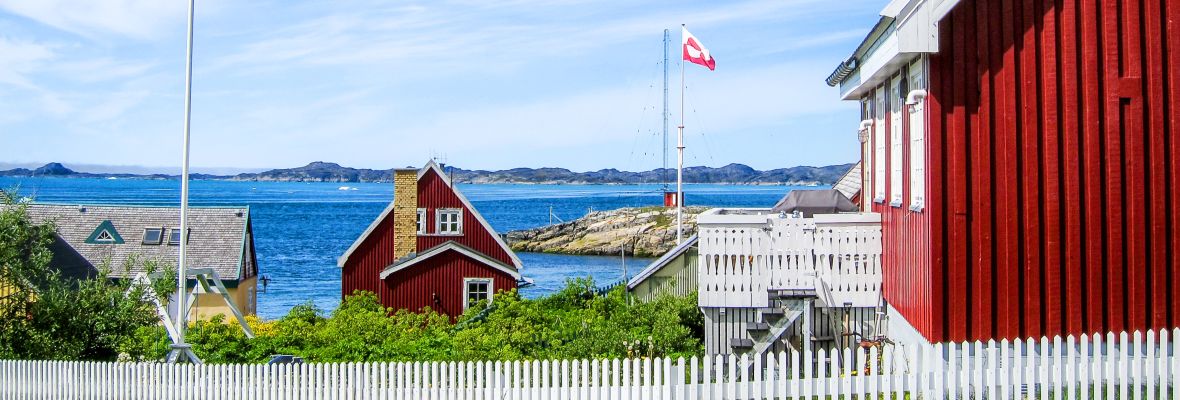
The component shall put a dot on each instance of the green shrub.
(573, 323)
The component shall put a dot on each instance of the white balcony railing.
(745, 253)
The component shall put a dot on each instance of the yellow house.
(125, 238)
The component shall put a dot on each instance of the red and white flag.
(694, 51)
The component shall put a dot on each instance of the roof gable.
(105, 233)
(433, 168)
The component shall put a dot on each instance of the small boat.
(525, 282)
(343, 188)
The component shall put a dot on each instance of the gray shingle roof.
(849, 184)
(217, 239)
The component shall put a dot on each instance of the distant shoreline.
(733, 174)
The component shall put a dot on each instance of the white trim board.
(451, 245)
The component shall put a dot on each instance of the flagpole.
(680, 152)
(181, 351)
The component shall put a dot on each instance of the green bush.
(573, 323)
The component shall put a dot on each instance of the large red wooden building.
(1024, 157)
(429, 248)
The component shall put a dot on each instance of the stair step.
(773, 313)
(757, 326)
(787, 294)
(738, 343)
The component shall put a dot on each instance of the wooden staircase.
(789, 306)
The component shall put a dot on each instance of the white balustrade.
(746, 252)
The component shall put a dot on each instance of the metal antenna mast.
(664, 172)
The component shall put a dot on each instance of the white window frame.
(896, 145)
(438, 221)
(421, 221)
(879, 145)
(917, 114)
(467, 286)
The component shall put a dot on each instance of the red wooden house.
(1023, 156)
(429, 248)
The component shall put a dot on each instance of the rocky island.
(639, 232)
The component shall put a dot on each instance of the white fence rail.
(1136, 366)
(746, 253)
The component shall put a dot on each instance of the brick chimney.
(405, 212)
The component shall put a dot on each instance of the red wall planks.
(362, 270)
(434, 193)
(438, 283)
(1054, 169)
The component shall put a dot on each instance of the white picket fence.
(1136, 366)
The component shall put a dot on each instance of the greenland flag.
(694, 51)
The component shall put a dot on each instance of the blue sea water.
(300, 228)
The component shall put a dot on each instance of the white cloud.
(19, 59)
(449, 34)
(140, 19)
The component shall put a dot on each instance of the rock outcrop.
(640, 232)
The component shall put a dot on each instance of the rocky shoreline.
(639, 232)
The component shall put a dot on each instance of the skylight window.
(153, 235)
(174, 236)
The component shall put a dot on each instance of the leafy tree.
(44, 315)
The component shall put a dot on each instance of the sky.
(382, 84)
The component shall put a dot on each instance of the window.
(896, 146)
(879, 146)
(476, 290)
(174, 236)
(917, 139)
(449, 221)
(104, 236)
(421, 221)
(153, 235)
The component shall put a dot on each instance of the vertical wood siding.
(362, 271)
(442, 276)
(433, 193)
(905, 238)
(1053, 171)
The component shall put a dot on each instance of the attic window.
(449, 221)
(174, 236)
(153, 235)
(421, 221)
(105, 233)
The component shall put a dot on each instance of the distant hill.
(331, 172)
(731, 174)
(54, 169)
